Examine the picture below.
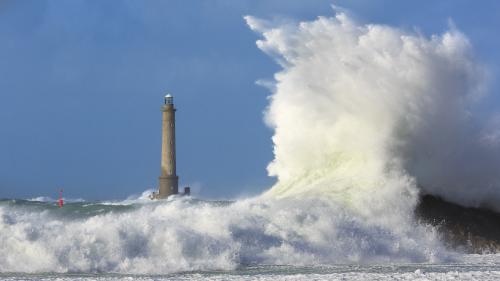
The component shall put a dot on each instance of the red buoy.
(61, 201)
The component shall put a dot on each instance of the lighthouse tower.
(169, 181)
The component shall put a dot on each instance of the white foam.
(47, 199)
(181, 235)
(143, 198)
(485, 275)
(42, 199)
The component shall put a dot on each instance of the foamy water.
(189, 239)
(187, 235)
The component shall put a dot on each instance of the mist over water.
(365, 117)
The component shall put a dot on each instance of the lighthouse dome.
(169, 99)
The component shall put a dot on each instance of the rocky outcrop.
(473, 230)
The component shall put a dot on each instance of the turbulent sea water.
(190, 239)
(346, 272)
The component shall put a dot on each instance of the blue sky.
(81, 85)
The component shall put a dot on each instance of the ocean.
(191, 239)
(341, 272)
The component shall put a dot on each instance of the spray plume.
(370, 114)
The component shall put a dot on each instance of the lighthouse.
(168, 181)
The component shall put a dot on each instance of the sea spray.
(369, 114)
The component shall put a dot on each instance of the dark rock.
(473, 230)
